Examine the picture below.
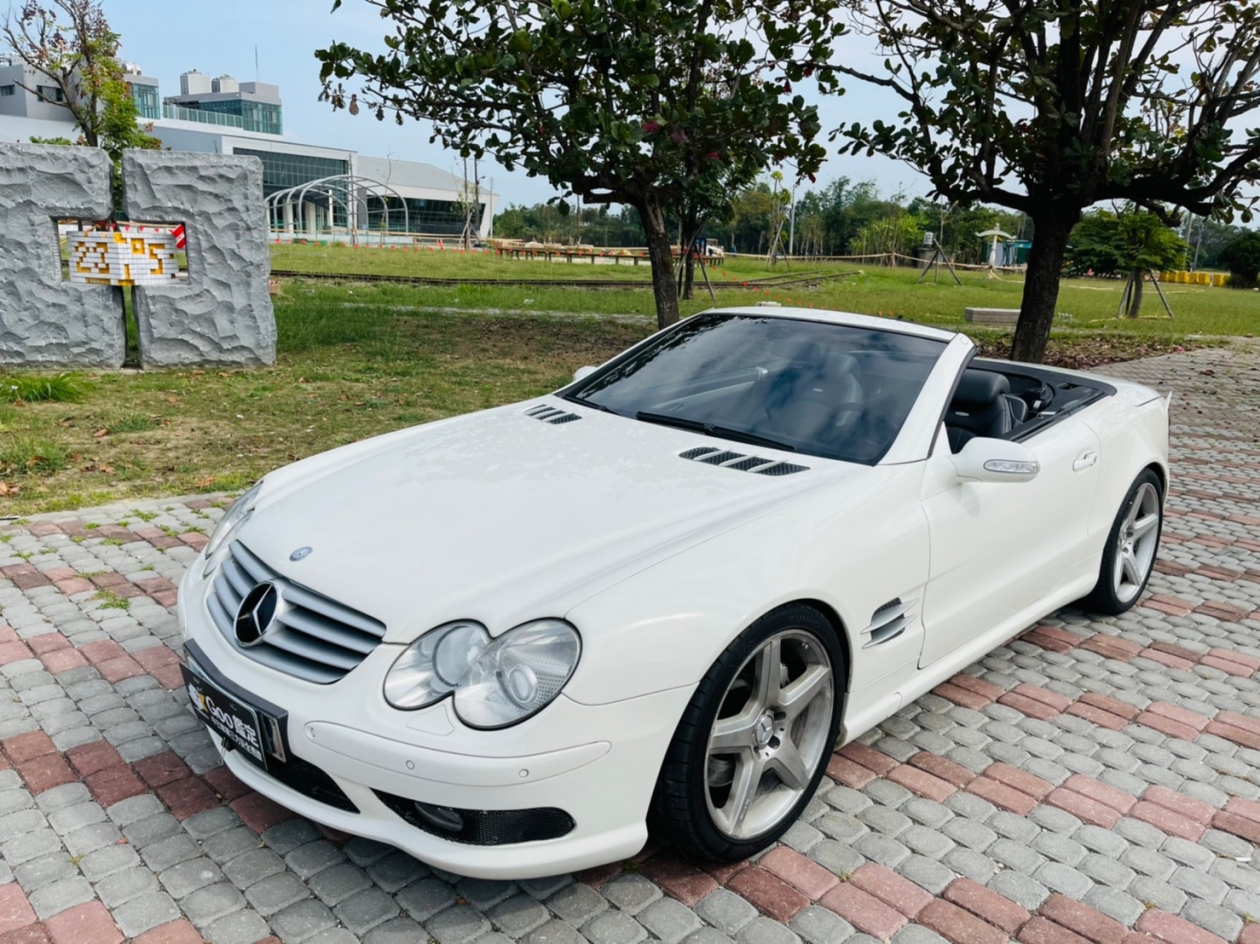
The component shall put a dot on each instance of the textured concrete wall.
(222, 314)
(45, 321)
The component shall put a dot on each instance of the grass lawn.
(356, 359)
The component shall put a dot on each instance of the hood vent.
(888, 622)
(549, 414)
(710, 455)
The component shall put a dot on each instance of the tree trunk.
(664, 283)
(689, 274)
(1041, 285)
(1135, 299)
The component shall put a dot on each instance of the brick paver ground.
(1093, 782)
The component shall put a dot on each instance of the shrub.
(1242, 258)
(63, 387)
(33, 455)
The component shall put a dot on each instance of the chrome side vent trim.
(712, 455)
(888, 622)
(549, 414)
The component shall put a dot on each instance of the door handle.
(1084, 461)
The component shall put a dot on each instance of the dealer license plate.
(233, 720)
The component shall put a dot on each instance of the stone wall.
(221, 314)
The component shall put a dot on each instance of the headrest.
(980, 388)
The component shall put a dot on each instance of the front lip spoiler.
(464, 770)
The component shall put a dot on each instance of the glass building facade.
(148, 104)
(255, 116)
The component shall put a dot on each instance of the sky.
(220, 37)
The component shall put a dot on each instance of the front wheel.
(1129, 556)
(754, 740)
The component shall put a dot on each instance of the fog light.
(441, 817)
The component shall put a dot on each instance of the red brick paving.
(1174, 930)
(890, 888)
(89, 923)
(943, 768)
(62, 660)
(177, 932)
(768, 893)
(47, 642)
(959, 926)
(676, 876)
(115, 670)
(113, 784)
(160, 769)
(799, 871)
(23, 747)
(14, 652)
(89, 758)
(191, 795)
(31, 934)
(223, 782)
(921, 782)
(44, 773)
(864, 911)
(15, 911)
(986, 904)
(1092, 925)
(1044, 931)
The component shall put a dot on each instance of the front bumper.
(596, 763)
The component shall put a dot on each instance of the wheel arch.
(842, 638)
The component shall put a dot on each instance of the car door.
(998, 547)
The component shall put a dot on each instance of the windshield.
(820, 389)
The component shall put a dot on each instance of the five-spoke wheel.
(753, 743)
(1129, 556)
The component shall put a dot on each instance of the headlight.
(496, 682)
(237, 515)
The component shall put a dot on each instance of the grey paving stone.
(145, 913)
(917, 934)
(364, 911)
(44, 871)
(188, 876)
(56, 897)
(611, 927)
(556, 932)
(107, 861)
(1157, 894)
(725, 911)
(631, 893)
(207, 905)
(670, 921)
(837, 857)
(1115, 904)
(313, 858)
(125, 885)
(484, 894)
(518, 915)
(396, 870)
(576, 904)
(305, 919)
(1019, 888)
(335, 885)
(252, 867)
(766, 931)
(226, 845)
(240, 927)
(405, 931)
(276, 892)
(927, 873)
(289, 835)
(165, 853)
(1220, 921)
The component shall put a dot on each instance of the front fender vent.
(888, 622)
(711, 455)
(549, 414)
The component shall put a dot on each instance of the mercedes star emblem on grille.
(300, 553)
(257, 614)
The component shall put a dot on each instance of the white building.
(313, 191)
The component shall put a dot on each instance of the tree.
(1131, 243)
(616, 101)
(1048, 107)
(1242, 258)
(69, 42)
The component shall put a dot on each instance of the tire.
(1129, 557)
(780, 736)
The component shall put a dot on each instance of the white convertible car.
(508, 642)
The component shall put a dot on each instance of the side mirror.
(583, 372)
(995, 460)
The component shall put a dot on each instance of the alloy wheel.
(1136, 544)
(770, 734)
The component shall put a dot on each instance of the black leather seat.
(982, 406)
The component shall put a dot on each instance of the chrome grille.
(317, 639)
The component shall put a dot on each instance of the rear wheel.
(1129, 556)
(753, 742)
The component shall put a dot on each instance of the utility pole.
(792, 221)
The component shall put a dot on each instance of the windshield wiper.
(752, 439)
(725, 432)
(593, 405)
(666, 419)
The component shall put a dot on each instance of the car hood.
(502, 517)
